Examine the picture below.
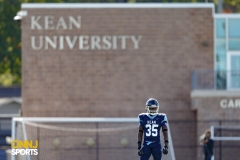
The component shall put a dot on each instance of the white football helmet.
(152, 106)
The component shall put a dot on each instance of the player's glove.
(140, 152)
(165, 150)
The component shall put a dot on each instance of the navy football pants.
(153, 149)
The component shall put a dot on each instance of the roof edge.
(117, 5)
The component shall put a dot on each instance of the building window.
(227, 51)
(220, 28)
(233, 28)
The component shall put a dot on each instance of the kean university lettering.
(52, 23)
(82, 42)
(86, 42)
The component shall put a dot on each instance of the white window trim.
(229, 54)
(235, 15)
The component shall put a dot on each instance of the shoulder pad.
(162, 114)
(142, 114)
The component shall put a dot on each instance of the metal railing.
(216, 80)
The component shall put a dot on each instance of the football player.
(150, 124)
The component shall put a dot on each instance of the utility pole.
(219, 6)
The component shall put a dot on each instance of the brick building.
(94, 60)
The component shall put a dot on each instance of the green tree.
(10, 44)
(232, 6)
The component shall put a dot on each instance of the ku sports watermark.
(24, 147)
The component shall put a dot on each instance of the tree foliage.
(10, 44)
(10, 33)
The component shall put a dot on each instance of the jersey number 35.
(152, 130)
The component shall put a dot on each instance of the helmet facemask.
(152, 110)
(152, 106)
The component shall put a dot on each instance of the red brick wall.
(117, 83)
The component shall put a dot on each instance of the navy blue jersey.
(152, 125)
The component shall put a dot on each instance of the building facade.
(106, 60)
(215, 96)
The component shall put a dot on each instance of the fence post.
(97, 141)
(220, 142)
(38, 138)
